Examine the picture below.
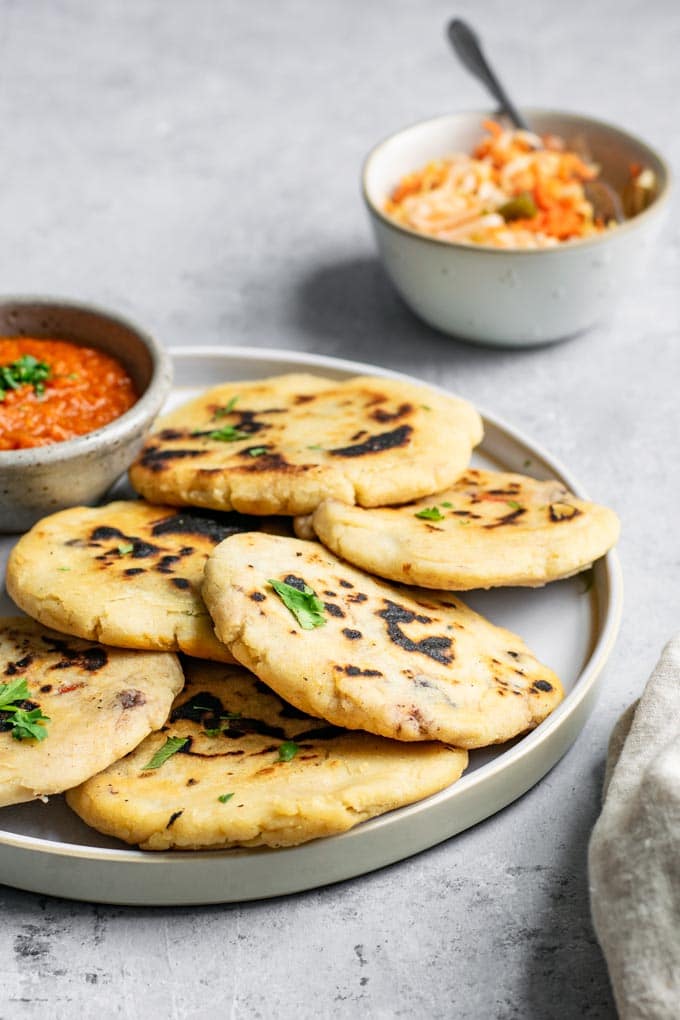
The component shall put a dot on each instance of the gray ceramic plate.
(45, 848)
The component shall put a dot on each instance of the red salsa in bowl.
(54, 390)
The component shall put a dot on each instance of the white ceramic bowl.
(501, 297)
(43, 479)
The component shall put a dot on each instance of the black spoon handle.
(468, 48)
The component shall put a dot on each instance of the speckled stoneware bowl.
(512, 298)
(39, 481)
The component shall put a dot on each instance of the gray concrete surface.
(195, 167)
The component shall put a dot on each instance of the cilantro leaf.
(224, 797)
(305, 606)
(228, 434)
(214, 731)
(513, 504)
(171, 746)
(125, 549)
(29, 725)
(448, 506)
(25, 370)
(220, 412)
(288, 750)
(430, 513)
(257, 451)
(15, 690)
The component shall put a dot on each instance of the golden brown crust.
(490, 528)
(101, 702)
(334, 780)
(291, 441)
(127, 573)
(395, 661)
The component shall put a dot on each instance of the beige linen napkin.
(634, 856)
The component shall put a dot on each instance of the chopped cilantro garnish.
(26, 370)
(224, 797)
(315, 447)
(426, 407)
(305, 606)
(27, 723)
(214, 731)
(171, 746)
(15, 690)
(125, 548)
(430, 513)
(63, 568)
(257, 451)
(447, 505)
(288, 750)
(228, 434)
(220, 412)
(513, 504)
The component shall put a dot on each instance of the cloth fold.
(634, 854)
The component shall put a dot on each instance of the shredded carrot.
(516, 190)
(493, 127)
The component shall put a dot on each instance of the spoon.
(468, 48)
(465, 41)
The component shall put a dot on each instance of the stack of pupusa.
(415, 670)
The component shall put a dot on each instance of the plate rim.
(609, 613)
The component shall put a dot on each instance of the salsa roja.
(52, 390)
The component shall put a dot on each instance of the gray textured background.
(194, 165)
